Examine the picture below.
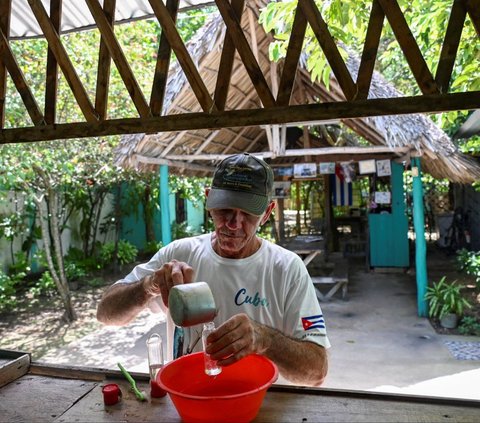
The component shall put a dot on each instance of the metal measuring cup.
(191, 304)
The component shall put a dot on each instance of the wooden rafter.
(245, 52)
(269, 106)
(159, 85)
(329, 48)
(294, 51)
(51, 85)
(226, 61)
(251, 117)
(61, 56)
(370, 50)
(104, 64)
(5, 8)
(183, 56)
(409, 46)
(8, 59)
(106, 30)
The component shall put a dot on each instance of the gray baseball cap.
(241, 181)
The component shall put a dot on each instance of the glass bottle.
(155, 363)
(211, 367)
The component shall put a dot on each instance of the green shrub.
(8, 299)
(469, 326)
(469, 262)
(45, 286)
(127, 252)
(444, 298)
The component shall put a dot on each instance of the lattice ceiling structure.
(273, 100)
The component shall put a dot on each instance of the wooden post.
(420, 243)
(165, 206)
(280, 218)
(298, 207)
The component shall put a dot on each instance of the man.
(263, 292)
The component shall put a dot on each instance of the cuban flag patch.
(313, 322)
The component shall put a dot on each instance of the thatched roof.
(195, 151)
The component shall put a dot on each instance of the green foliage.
(347, 22)
(127, 252)
(8, 284)
(152, 247)
(182, 230)
(469, 262)
(469, 326)
(189, 188)
(45, 286)
(444, 298)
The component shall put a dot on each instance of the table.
(309, 246)
(54, 393)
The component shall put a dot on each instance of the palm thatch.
(195, 152)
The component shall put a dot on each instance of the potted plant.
(446, 303)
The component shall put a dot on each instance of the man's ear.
(268, 212)
(207, 190)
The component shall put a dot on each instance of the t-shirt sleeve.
(303, 312)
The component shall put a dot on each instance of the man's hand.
(170, 274)
(301, 362)
(238, 337)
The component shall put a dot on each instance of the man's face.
(235, 232)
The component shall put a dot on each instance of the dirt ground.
(38, 325)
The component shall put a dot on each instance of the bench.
(338, 277)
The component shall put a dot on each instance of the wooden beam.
(226, 61)
(5, 12)
(183, 56)
(473, 8)
(370, 50)
(163, 63)
(104, 64)
(8, 59)
(245, 52)
(51, 84)
(172, 163)
(299, 152)
(409, 46)
(119, 58)
(450, 45)
(329, 47)
(292, 57)
(431, 103)
(57, 48)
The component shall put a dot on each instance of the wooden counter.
(48, 393)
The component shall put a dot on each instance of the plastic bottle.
(211, 367)
(155, 363)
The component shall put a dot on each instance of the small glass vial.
(155, 363)
(211, 367)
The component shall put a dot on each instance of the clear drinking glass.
(155, 363)
(211, 367)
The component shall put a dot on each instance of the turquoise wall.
(133, 227)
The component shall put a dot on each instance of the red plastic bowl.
(235, 395)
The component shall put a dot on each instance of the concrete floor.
(378, 342)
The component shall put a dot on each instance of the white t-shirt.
(272, 287)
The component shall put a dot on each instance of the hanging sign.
(305, 170)
(366, 166)
(383, 168)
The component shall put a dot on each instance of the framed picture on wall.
(384, 168)
(305, 170)
(383, 197)
(327, 168)
(366, 166)
(281, 189)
